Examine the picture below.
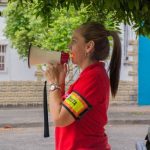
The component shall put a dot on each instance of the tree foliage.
(25, 27)
(134, 12)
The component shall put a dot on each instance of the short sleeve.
(91, 88)
(86, 94)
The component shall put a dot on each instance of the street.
(121, 137)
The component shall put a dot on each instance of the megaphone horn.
(37, 55)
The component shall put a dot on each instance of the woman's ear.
(90, 46)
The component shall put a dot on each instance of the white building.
(11, 66)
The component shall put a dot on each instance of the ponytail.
(115, 63)
(97, 33)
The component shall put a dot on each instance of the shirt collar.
(92, 66)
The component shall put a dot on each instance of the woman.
(80, 115)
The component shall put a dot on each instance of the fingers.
(65, 67)
(53, 65)
(51, 73)
(46, 68)
(50, 65)
(57, 67)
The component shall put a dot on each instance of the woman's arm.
(56, 74)
(59, 115)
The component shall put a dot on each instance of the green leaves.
(127, 11)
(26, 25)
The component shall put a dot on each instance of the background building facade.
(21, 85)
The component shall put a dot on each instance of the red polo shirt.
(87, 100)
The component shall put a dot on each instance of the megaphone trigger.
(64, 57)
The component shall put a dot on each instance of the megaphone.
(37, 56)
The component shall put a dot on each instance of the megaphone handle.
(46, 123)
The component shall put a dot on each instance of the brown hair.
(96, 32)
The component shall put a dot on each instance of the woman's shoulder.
(95, 72)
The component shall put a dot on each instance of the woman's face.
(77, 48)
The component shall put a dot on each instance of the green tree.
(126, 11)
(24, 27)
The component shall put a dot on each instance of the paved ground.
(131, 114)
(121, 137)
(31, 117)
(127, 124)
(124, 137)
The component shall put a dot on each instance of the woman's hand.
(52, 74)
(56, 73)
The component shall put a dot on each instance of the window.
(2, 58)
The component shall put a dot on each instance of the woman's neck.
(87, 63)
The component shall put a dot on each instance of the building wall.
(30, 93)
(127, 36)
(18, 93)
(16, 68)
(124, 42)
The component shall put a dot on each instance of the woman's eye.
(73, 41)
